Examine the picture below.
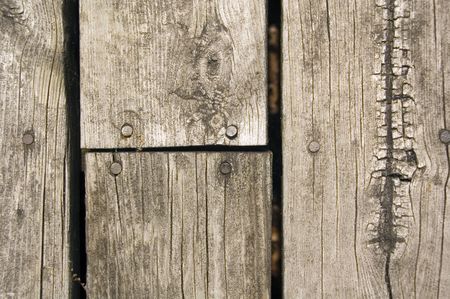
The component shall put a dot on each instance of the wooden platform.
(136, 152)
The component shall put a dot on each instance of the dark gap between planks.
(78, 264)
(76, 189)
(275, 135)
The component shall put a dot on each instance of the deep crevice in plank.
(398, 159)
(76, 184)
(387, 236)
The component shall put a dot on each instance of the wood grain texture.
(178, 71)
(172, 226)
(34, 203)
(367, 215)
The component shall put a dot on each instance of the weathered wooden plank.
(34, 203)
(366, 207)
(171, 225)
(174, 73)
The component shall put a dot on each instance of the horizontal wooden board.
(178, 72)
(365, 94)
(172, 225)
(34, 198)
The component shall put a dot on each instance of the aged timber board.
(172, 225)
(172, 73)
(34, 205)
(366, 92)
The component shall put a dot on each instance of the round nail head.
(232, 132)
(116, 168)
(27, 138)
(225, 168)
(127, 130)
(444, 136)
(314, 147)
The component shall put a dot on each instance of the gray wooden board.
(367, 216)
(171, 225)
(34, 203)
(179, 72)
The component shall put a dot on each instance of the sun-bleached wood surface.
(34, 205)
(178, 225)
(365, 94)
(172, 73)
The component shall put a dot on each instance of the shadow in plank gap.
(76, 186)
(274, 102)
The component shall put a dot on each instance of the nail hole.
(126, 130)
(314, 147)
(444, 136)
(27, 138)
(232, 132)
(226, 168)
(116, 168)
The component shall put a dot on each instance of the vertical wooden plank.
(428, 273)
(33, 147)
(324, 87)
(365, 175)
(178, 72)
(440, 54)
(173, 225)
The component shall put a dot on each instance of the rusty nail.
(225, 168)
(314, 147)
(116, 168)
(27, 138)
(444, 136)
(126, 130)
(232, 131)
